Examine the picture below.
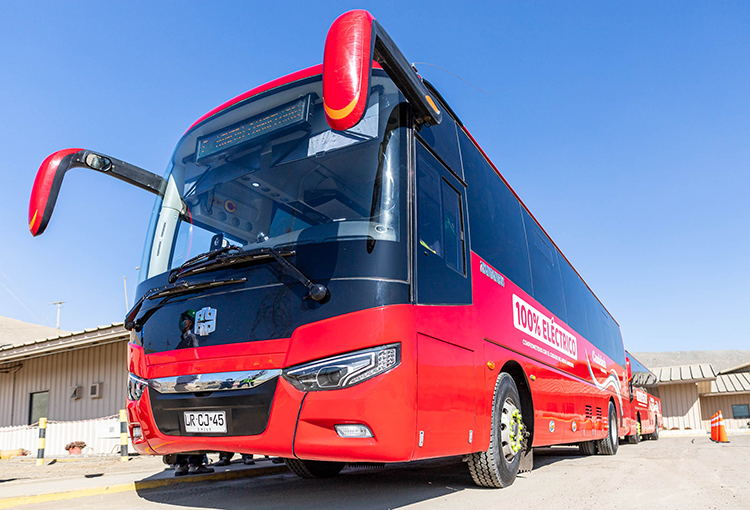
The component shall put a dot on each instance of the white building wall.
(56, 373)
(681, 407)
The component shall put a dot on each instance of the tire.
(498, 466)
(169, 459)
(587, 447)
(314, 468)
(637, 437)
(608, 445)
(654, 436)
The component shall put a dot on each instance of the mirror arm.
(126, 172)
(50, 176)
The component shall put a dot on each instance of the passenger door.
(441, 248)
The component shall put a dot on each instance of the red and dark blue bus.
(644, 419)
(334, 272)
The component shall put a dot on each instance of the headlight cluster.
(136, 385)
(344, 370)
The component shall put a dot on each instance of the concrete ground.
(672, 473)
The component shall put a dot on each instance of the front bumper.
(301, 424)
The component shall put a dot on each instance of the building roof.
(731, 383)
(745, 367)
(14, 332)
(66, 341)
(721, 361)
(685, 373)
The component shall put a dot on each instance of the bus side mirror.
(630, 370)
(354, 40)
(50, 175)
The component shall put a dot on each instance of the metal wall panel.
(681, 407)
(723, 403)
(56, 373)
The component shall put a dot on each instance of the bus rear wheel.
(498, 466)
(608, 445)
(314, 468)
(587, 448)
(654, 436)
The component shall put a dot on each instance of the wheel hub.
(511, 430)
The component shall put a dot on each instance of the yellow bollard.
(40, 443)
(123, 436)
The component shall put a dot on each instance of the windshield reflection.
(235, 181)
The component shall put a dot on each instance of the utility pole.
(58, 303)
(125, 284)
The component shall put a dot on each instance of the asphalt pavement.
(672, 473)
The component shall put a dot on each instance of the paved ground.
(673, 473)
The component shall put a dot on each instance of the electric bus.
(334, 272)
(644, 419)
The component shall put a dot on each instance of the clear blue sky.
(623, 125)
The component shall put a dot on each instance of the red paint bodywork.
(443, 385)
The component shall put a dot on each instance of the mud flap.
(527, 461)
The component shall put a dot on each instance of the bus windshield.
(269, 172)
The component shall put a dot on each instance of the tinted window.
(442, 139)
(604, 333)
(441, 252)
(496, 224)
(428, 208)
(545, 269)
(38, 406)
(454, 255)
(741, 411)
(575, 298)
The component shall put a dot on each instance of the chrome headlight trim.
(136, 386)
(344, 370)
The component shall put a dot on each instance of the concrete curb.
(140, 485)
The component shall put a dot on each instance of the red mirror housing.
(630, 370)
(49, 179)
(354, 40)
(46, 187)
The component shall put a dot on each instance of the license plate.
(205, 421)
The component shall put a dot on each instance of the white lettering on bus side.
(532, 322)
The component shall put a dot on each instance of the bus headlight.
(344, 370)
(136, 385)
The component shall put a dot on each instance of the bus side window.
(441, 245)
(428, 203)
(545, 269)
(443, 141)
(497, 232)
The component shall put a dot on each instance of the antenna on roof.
(58, 303)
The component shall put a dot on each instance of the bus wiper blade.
(203, 257)
(169, 291)
(317, 291)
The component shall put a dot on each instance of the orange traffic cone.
(713, 426)
(721, 431)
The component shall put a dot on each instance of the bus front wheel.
(498, 466)
(314, 468)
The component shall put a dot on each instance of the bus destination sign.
(290, 115)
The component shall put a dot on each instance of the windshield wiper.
(169, 291)
(316, 291)
(203, 257)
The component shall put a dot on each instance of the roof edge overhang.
(686, 381)
(725, 394)
(87, 338)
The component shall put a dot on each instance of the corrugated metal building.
(691, 394)
(71, 376)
